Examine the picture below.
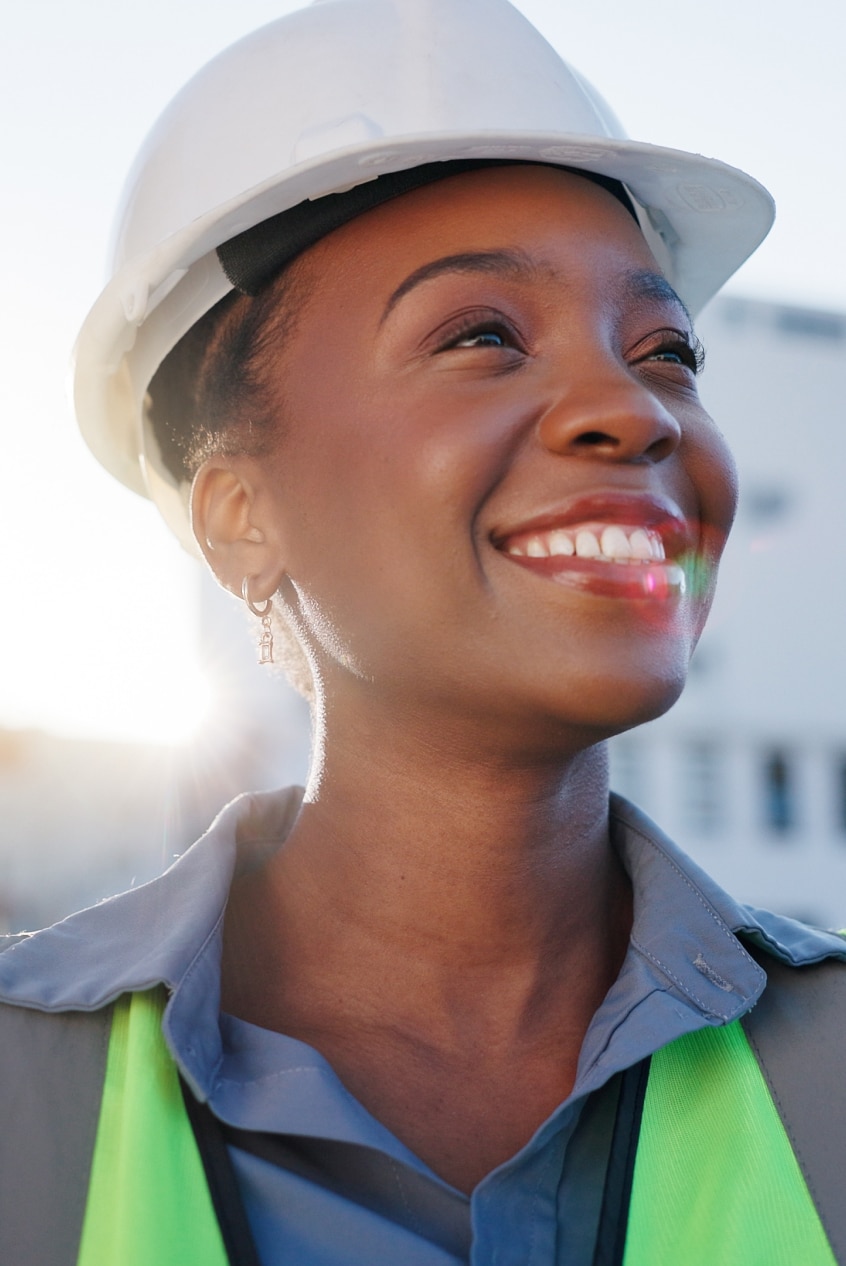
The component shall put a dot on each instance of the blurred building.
(748, 772)
(80, 820)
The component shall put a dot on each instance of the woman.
(440, 430)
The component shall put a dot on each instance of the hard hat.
(331, 97)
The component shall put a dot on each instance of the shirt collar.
(648, 854)
(684, 941)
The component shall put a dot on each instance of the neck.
(463, 879)
(479, 851)
(443, 916)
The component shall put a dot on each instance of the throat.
(463, 1122)
(447, 975)
(462, 1112)
(461, 1066)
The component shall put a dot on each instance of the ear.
(231, 524)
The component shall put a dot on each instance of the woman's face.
(490, 438)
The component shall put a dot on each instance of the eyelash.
(688, 349)
(474, 325)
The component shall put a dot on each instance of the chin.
(611, 705)
(649, 706)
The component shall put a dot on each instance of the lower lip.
(657, 581)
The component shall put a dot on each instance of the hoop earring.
(264, 613)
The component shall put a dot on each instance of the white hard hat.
(329, 98)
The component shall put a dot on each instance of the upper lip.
(658, 514)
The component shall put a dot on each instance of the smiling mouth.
(611, 559)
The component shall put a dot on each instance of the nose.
(614, 417)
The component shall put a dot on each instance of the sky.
(99, 627)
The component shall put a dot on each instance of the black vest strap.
(223, 1185)
(616, 1198)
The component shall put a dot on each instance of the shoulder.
(140, 938)
(802, 1002)
(149, 935)
(657, 865)
(52, 1067)
(778, 941)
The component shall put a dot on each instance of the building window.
(703, 787)
(824, 325)
(779, 793)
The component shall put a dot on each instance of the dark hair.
(212, 392)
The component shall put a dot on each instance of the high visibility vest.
(715, 1183)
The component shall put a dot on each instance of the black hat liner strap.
(256, 256)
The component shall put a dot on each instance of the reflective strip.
(148, 1201)
(715, 1179)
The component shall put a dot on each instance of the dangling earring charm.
(264, 613)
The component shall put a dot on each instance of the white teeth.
(640, 544)
(561, 542)
(587, 546)
(536, 547)
(615, 543)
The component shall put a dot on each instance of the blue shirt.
(348, 1192)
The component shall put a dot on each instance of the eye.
(673, 355)
(682, 354)
(673, 347)
(478, 330)
(482, 338)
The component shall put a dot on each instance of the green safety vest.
(716, 1182)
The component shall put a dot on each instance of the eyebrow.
(505, 263)
(645, 284)
(640, 284)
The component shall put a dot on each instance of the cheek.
(379, 509)
(712, 471)
(724, 482)
(711, 476)
(397, 469)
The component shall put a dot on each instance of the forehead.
(518, 223)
